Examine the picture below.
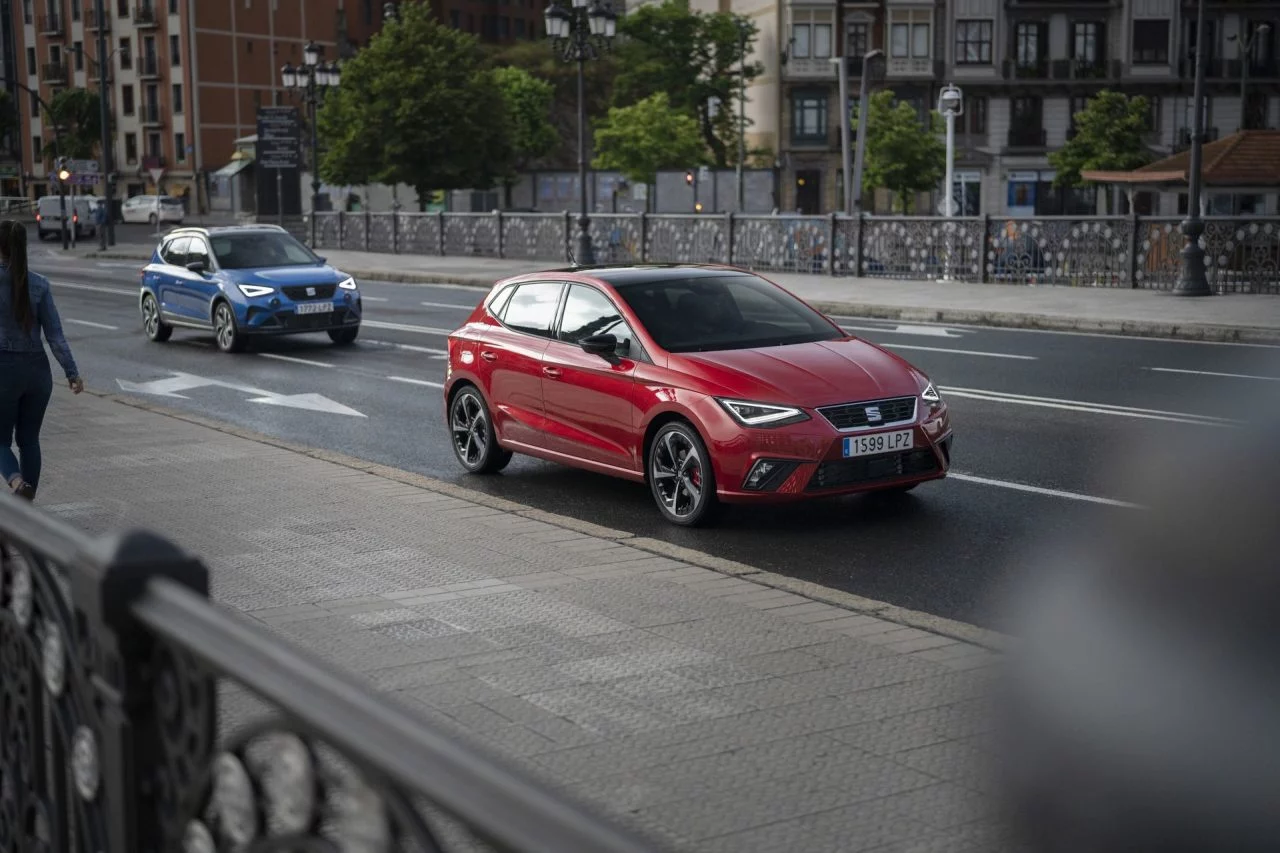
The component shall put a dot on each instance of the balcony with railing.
(94, 71)
(914, 66)
(144, 16)
(149, 66)
(91, 18)
(811, 68)
(1027, 69)
(54, 72)
(150, 115)
(1027, 138)
(53, 26)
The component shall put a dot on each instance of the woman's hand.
(77, 385)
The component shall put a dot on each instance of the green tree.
(77, 114)
(528, 103)
(696, 59)
(902, 155)
(1109, 136)
(647, 136)
(416, 107)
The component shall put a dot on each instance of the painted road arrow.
(172, 385)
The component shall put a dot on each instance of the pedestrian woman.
(26, 382)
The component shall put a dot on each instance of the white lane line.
(926, 331)
(450, 305)
(965, 352)
(374, 298)
(1039, 490)
(1091, 408)
(1212, 373)
(406, 380)
(294, 360)
(408, 347)
(96, 288)
(404, 327)
(90, 324)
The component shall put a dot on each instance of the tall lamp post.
(313, 79)
(1193, 281)
(579, 33)
(108, 235)
(870, 66)
(1247, 44)
(742, 114)
(950, 105)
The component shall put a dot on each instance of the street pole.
(846, 150)
(280, 196)
(586, 253)
(951, 105)
(859, 156)
(1193, 281)
(108, 235)
(315, 156)
(742, 116)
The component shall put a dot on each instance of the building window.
(173, 7)
(180, 147)
(973, 42)
(975, 116)
(920, 41)
(37, 149)
(910, 34)
(26, 11)
(175, 50)
(78, 49)
(126, 100)
(154, 145)
(1029, 42)
(1086, 41)
(126, 54)
(35, 107)
(1210, 42)
(131, 148)
(900, 40)
(177, 97)
(810, 39)
(75, 11)
(31, 61)
(821, 41)
(122, 8)
(1151, 42)
(1153, 114)
(857, 39)
(800, 46)
(455, 19)
(808, 117)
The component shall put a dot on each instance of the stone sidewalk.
(1246, 318)
(712, 708)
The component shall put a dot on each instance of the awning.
(233, 168)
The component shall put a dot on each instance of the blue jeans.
(26, 384)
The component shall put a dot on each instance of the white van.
(80, 210)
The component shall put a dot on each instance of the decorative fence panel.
(1243, 254)
(111, 660)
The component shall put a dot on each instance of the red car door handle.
(489, 356)
(552, 372)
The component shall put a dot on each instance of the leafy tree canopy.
(647, 136)
(901, 155)
(416, 107)
(1109, 136)
(77, 113)
(528, 103)
(696, 60)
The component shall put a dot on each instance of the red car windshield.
(706, 314)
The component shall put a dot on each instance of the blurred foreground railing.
(111, 657)
(1243, 254)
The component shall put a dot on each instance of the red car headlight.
(762, 415)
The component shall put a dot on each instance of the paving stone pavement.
(714, 712)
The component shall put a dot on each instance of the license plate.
(314, 307)
(881, 442)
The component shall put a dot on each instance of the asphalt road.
(1041, 419)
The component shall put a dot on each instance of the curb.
(954, 316)
(950, 628)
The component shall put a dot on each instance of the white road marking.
(1091, 408)
(409, 381)
(1039, 490)
(409, 347)
(1212, 373)
(965, 352)
(374, 298)
(294, 359)
(171, 385)
(404, 327)
(451, 305)
(926, 331)
(119, 266)
(96, 288)
(90, 324)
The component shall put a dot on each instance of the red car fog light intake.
(768, 474)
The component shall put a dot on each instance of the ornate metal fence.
(111, 658)
(1243, 254)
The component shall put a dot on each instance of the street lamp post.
(1247, 44)
(108, 235)
(313, 78)
(868, 65)
(1193, 281)
(742, 115)
(578, 33)
(951, 105)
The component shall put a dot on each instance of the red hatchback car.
(709, 383)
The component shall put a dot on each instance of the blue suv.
(243, 281)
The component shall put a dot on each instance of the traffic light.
(688, 177)
(64, 174)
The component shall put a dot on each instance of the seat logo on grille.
(311, 291)
(873, 413)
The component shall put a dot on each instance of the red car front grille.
(839, 473)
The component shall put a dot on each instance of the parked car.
(709, 383)
(152, 209)
(244, 281)
(79, 212)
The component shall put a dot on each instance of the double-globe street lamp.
(951, 106)
(1193, 281)
(582, 31)
(313, 78)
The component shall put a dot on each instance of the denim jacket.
(14, 339)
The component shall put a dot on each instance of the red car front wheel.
(680, 475)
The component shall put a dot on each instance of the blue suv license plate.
(314, 307)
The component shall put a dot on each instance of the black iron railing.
(111, 656)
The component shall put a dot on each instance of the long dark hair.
(13, 249)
